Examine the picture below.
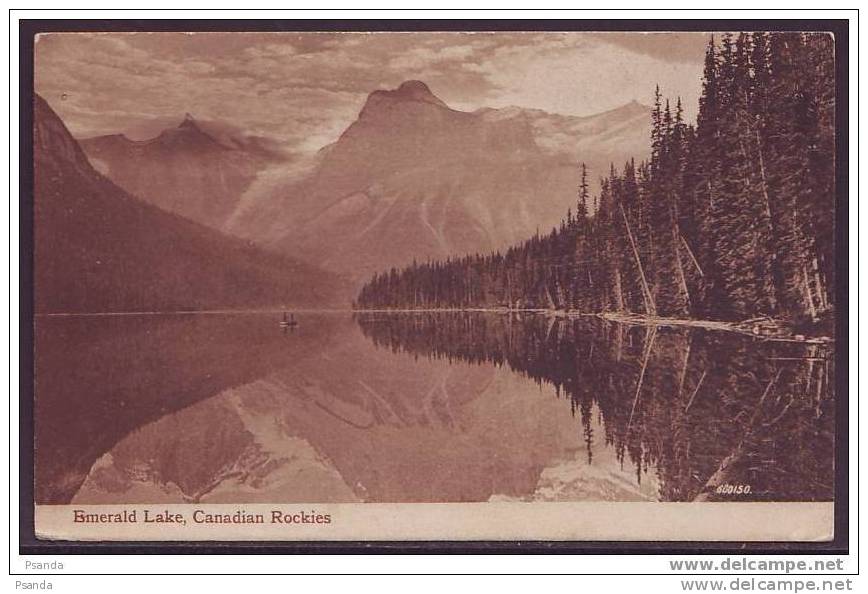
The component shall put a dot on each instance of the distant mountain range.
(98, 249)
(411, 178)
(197, 170)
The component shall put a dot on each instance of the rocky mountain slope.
(412, 178)
(98, 249)
(197, 170)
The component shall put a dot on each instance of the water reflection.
(422, 407)
(708, 415)
(99, 378)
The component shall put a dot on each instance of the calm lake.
(422, 407)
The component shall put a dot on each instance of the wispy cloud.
(303, 89)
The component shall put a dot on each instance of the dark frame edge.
(30, 545)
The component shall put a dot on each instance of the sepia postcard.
(435, 286)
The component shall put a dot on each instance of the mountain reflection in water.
(700, 410)
(424, 407)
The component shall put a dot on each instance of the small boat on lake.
(288, 322)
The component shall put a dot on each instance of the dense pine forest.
(730, 218)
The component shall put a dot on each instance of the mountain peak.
(410, 91)
(189, 122)
(190, 130)
(633, 107)
(415, 90)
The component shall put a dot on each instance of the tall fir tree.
(730, 219)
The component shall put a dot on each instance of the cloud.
(304, 88)
(671, 47)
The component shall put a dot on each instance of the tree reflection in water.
(718, 415)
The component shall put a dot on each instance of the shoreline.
(750, 328)
(746, 327)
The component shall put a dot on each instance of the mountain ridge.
(186, 169)
(410, 90)
(410, 177)
(99, 249)
(413, 178)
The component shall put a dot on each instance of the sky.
(304, 89)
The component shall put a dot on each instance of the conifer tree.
(730, 219)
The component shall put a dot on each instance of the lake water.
(424, 407)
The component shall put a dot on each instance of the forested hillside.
(730, 218)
